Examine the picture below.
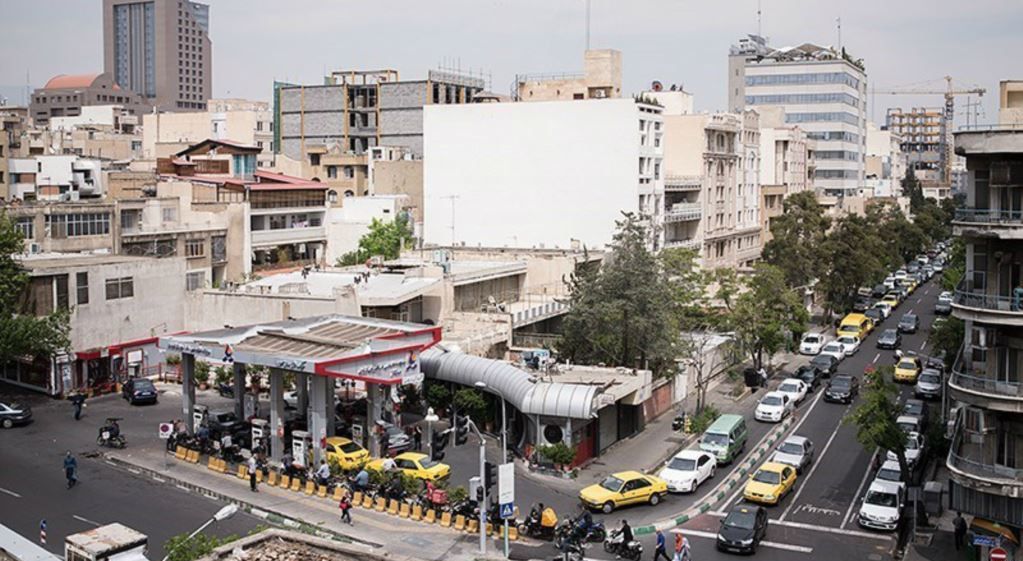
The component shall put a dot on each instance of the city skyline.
(501, 40)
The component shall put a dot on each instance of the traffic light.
(437, 445)
(489, 475)
(461, 429)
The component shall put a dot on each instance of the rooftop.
(282, 545)
(99, 540)
(373, 289)
(37, 261)
(66, 81)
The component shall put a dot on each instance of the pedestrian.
(385, 442)
(959, 523)
(346, 507)
(70, 469)
(252, 473)
(661, 549)
(417, 437)
(77, 402)
(681, 547)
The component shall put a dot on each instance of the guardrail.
(989, 216)
(964, 295)
(984, 384)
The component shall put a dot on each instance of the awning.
(519, 388)
(988, 527)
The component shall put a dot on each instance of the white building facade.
(543, 174)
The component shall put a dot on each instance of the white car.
(685, 471)
(914, 448)
(891, 472)
(889, 282)
(773, 407)
(884, 307)
(834, 349)
(882, 506)
(811, 344)
(851, 344)
(794, 388)
(291, 399)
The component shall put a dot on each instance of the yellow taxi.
(855, 325)
(907, 369)
(891, 298)
(414, 464)
(623, 488)
(347, 454)
(770, 483)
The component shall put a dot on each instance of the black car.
(139, 390)
(743, 529)
(842, 389)
(809, 374)
(224, 423)
(909, 323)
(862, 304)
(916, 408)
(879, 291)
(14, 414)
(875, 315)
(889, 339)
(825, 363)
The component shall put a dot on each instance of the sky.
(903, 42)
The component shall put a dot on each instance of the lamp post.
(221, 515)
(430, 419)
(504, 446)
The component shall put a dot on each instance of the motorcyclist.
(583, 523)
(113, 427)
(626, 532)
(323, 473)
(361, 481)
(548, 518)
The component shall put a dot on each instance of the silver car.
(796, 451)
(928, 384)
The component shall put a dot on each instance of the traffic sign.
(507, 510)
(506, 483)
(998, 554)
(165, 430)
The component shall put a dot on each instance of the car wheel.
(655, 498)
(608, 507)
(8, 423)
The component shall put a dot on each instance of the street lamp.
(430, 419)
(221, 515)
(504, 445)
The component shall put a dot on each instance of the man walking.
(417, 437)
(70, 469)
(77, 401)
(252, 473)
(661, 549)
(959, 523)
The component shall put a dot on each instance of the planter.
(203, 386)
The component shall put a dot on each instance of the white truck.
(113, 542)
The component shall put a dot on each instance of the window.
(78, 224)
(60, 285)
(123, 287)
(26, 225)
(195, 281)
(195, 248)
(314, 159)
(349, 172)
(815, 78)
(169, 214)
(331, 172)
(82, 288)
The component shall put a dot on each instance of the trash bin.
(933, 494)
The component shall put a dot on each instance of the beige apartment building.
(67, 96)
(601, 79)
(239, 120)
(786, 165)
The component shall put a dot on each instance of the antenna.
(587, 25)
(760, 32)
(839, 21)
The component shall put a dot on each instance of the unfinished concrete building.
(924, 140)
(601, 79)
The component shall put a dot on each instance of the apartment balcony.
(284, 236)
(682, 212)
(683, 183)
(689, 243)
(971, 303)
(974, 462)
(978, 387)
(987, 222)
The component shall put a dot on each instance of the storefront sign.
(412, 378)
(189, 349)
(287, 364)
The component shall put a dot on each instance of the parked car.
(862, 303)
(875, 315)
(914, 449)
(415, 465)
(685, 471)
(827, 364)
(834, 349)
(944, 304)
(773, 407)
(879, 291)
(889, 339)
(139, 390)
(811, 344)
(908, 423)
(928, 384)
(882, 506)
(842, 389)
(893, 298)
(885, 307)
(770, 483)
(796, 451)
(742, 529)
(13, 413)
(810, 375)
(850, 343)
(890, 472)
(624, 488)
(909, 323)
(795, 388)
(916, 408)
(397, 440)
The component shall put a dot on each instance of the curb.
(270, 516)
(735, 478)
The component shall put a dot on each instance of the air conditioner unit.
(34, 248)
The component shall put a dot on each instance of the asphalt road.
(32, 484)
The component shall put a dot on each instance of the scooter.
(616, 545)
(533, 527)
(107, 436)
(225, 389)
(569, 531)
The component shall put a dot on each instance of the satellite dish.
(656, 86)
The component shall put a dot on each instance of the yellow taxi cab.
(347, 454)
(624, 488)
(907, 369)
(414, 464)
(770, 483)
(855, 325)
(891, 298)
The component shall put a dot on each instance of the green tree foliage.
(911, 188)
(797, 245)
(385, 239)
(901, 240)
(946, 338)
(181, 548)
(955, 268)
(469, 401)
(765, 316)
(623, 314)
(874, 418)
(855, 254)
(23, 335)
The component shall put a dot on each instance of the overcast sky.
(675, 41)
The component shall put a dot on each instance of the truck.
(113, 542)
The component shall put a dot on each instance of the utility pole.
(760, 32)
(587, 25)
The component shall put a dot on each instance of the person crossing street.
(70, 469)
(660, 550)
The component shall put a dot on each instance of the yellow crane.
(949, 92)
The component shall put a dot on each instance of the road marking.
(134, 471)
(182, 487)
(11, 493)
(877, 356)
(919, 300)
(776, 545)
(922, 345)
(816, 463)
(863, 482)
(86, 520)
(812, 509)
(830, 530)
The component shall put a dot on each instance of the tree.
(912, 189)
(183, 548)
(623, 314)
(469, 401)
(767, 314)
(384, 239)
(798, 235)
(21, 333)
(855, 254)
(874, 418)
(946, 338)
(708, 363)
(954, 270)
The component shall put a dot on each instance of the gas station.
(379, 355)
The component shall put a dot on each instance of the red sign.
(998, 554)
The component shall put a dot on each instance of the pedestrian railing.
(968, 296)
(989, 216)
(979, 382)
(957, 456)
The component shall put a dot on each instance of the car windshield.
(771, 400)
(847, 340)
(907, 365)
(790, 448)
(143, 384)
(769, 477)
(841, 383)
(907, 426)
(908, 319)
(427, 463)
(881, 499)
(825, 360)
(889, 334)
(715, 439)
(742, 520)
(226, 417)
(914, 408)
(833, 347)
(812, 339)
(789, 388)
(611, 483)
(930, 379)
(912, 444)
(350, 447)
(889, 474)
(682, 464)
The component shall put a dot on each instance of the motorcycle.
(225, 390)
(570, 552)
(570, 531)
(679, 422)
(467, 508)
(110, 435)
(533, 527)
(616, 545)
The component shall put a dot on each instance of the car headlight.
(746, 542)
(769, 497)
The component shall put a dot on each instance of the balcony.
(283, 236)
(978, 305)
(686, 244)
(682, 183)
(681, 212)
(984, 390)
(987, 222)
(973, 462)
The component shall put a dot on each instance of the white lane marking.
(919, 300)
(11, 493)
(86, 520)
(812, 527)
(776, 545)
(866, 474)
(816, 463)
(877, 356)
(922, 345)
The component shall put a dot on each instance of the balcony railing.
(989, 216)
(683, 182)
(965, 461)
(683, 211)
(966, 296)
(288, 235)
(983, 383)
(689, 243)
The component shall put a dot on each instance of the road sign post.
(998, 554)
(506, 496)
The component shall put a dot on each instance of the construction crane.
(949, 92)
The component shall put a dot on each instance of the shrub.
(456, 494)
(202, 372)
(704, 418)
(558, 453)
(171, 360)
(469, 401)
(438, 396)
(222, 375)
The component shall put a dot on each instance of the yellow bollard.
(367, 501)
(271, 479)
(180, 452)
(285, 482)
(296, 484)
(339, 492)
(380, 505)
(259, 476)
(460, 522)
(431, 516)
(392, 507)
(472, 526)
(445, 519)
(242, 472)
(417, 513)
(310, 487)
(212, 464)
(513, 533)
(322, 492)
(403, 512)
(357, 498)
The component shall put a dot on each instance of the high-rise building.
(821, 89)
(160, 49)
(924, 137)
